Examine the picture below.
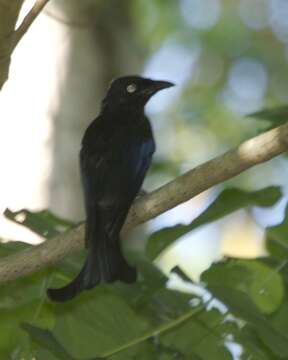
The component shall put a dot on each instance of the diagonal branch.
(252, 152)
(9, 11)
(9, 38)
(28, 20)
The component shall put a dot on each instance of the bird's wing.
(112, 178)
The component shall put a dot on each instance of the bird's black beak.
(160, 85)
(153, 86)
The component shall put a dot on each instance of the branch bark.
(9, 11)
(28, 20)
(252, 152)
(9, 38)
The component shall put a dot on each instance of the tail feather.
(103, 264)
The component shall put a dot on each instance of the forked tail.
(104, 263)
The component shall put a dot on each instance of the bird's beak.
(160, 85)
(156, 85)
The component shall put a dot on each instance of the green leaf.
(278, 115)
(149, 272)
(45, 339)
(199, 337)
(150, 298)
(280, 318)
(227, 202)
(12, 336)
(43, 222)
(143, 351)
(240, 305)
(22, 300)
(229, 273)
(24, 290)
(252, 346)
(97, 322)
(277, 238)
(156, 306)
(266, 287)
(260, 282)
(102, 322)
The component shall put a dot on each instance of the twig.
(252, 152)
(28, 20)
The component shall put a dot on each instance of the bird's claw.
(141, 193)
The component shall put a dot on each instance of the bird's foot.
(141, 193)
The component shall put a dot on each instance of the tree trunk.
(99, 46)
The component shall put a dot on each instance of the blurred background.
(228, 58)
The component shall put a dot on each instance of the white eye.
(131, 88)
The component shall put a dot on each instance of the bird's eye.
(131, 88)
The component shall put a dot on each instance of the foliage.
(242, 302)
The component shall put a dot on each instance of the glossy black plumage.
(116, 153)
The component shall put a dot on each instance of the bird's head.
(133, 90)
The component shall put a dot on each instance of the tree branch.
(252, 152)
(9, 38)
(9, 11)
(28, 20)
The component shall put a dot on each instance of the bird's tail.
(104, 263)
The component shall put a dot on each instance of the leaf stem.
(162, 328)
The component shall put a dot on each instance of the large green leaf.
(150, 297)
(250, 289)
(227, 202)
(240, 305)
(97, 322)
(100, 323)
(117, 319)
(200, 337)
(110, 325)
(260, 282)
(266, 287)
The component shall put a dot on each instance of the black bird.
(116, 153)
